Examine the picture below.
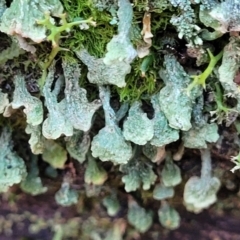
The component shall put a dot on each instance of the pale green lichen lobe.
(109, 144)
(57, 122)
(120, 49)
(201, 192)
(175, 103)
(163, 133)
(20, 18)
(137, 127)
(78, 109)
(32, 105)
(101, 74)
(12, 167)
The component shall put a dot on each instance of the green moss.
(140, 85)
(93, 39)
(96, 38)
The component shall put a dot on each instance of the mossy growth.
(93, 39)
(142, 82)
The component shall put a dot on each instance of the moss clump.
(93, 39)
(142, 82)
